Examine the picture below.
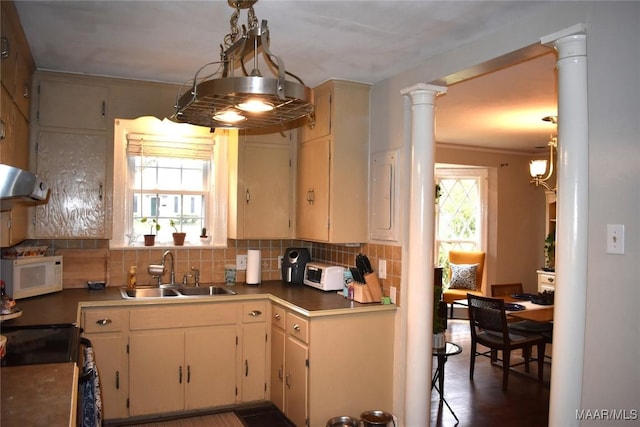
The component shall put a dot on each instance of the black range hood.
(18, 185)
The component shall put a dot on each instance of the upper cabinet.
(16, 72)
(260, 186)
(17, 63)
(72, 105)
(333, 158)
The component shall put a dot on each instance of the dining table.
(534, 312)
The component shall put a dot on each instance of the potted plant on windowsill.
(203, 235)
(150, 239)
(178, 237)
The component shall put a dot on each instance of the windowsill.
(138, 246)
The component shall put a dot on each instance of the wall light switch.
(615, 238)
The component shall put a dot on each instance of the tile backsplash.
(210, 262)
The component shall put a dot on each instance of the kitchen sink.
(175, 291)
(204, 291)
(148, 293)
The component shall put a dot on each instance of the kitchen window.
(168, 177)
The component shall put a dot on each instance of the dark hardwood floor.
(482, 402)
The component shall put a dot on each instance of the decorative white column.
(572, 226)
(419, 283)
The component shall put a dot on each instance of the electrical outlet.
(382, 268)
(280, 258)
(241, 262)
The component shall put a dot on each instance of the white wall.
(612, 344)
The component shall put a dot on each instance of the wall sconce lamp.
(537, 168)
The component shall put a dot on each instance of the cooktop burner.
(38, 344)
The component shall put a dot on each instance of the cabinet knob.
(296, 327)
(255, 313)
(550, 279)
(277, 316)
(103, 322)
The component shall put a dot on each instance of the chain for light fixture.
(249, 100)
(537, 168)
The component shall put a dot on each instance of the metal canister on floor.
(377, 419)
(343, 422)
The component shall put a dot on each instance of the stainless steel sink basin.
(147, 293)
(204, 291)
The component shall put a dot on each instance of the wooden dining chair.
(488, 323)
(507, 289)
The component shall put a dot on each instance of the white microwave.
(28, 277)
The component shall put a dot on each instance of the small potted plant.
(550, 251)
(203, 235)
(150, 239)
(178, 237)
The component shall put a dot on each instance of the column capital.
(423, 89)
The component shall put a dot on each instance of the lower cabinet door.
(254, 359)
(277, 367)
(296, 381)
(156, 372)
(111, 359)
(210, 364)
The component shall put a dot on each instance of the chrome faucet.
(172, 271)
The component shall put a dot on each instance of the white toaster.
(324, 277)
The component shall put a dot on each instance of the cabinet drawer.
(298, 327)
(184, 316)
(546, 279)
(254, 312)
(103, 320)
(278, 316)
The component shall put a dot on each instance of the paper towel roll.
(253, 267)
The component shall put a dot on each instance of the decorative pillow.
(463, 276)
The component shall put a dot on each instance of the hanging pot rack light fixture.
(247, 100)
(537, 168)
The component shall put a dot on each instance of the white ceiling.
(367, 41)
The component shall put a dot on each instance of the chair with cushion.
(462, 266)
(488, 323)
(507, 289)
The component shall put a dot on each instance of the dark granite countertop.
(64, 307)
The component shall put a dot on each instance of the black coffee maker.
(293, 265)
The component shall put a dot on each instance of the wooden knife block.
(368, 292)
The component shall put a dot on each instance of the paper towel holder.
(253, 268)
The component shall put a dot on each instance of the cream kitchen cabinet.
(107, 329)
(289, 357)
(72, 105)
(255, 342)
(308, 356)
(182, 358)
(332, 169)
(73, 165)
(17, 62)
(260, 186)
(71, 144)
(17, 69)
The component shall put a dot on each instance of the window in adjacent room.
(461, 212)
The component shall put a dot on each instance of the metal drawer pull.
(550, 279)
(180, 374)
(280, 373)
(188, 374)
(246, 368)
(276, 316)
(296, 327)
(255, 313)
(117, 380)
(286, 381)
(103, 322)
